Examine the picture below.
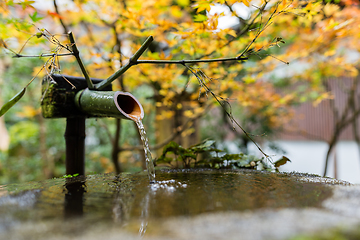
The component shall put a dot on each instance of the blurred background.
(297, 94)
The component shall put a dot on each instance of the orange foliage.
(319, 37)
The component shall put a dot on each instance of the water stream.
(148, 158)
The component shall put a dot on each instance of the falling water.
(148, 158)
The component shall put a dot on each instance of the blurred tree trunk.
(48, 162)
(344, 118)
(189, 134)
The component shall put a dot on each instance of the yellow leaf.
(330, 9)
(28, 112)
(326, 95)
(179, 106)
(37, 71)
(183, 3)
(188, 113)
(231, 32)
(187, 132)
(176, 11)
(163, 92)
(330, 52)
(198, 110)
(249, 79)
(246, 2)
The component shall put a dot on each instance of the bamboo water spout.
(69, 97)
(109, 104)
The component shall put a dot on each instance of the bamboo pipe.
(115, 104)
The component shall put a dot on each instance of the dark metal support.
(75, 145)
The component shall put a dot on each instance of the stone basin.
(182, 204)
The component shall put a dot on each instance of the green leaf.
(188, 155)
(12, 102)
(205, 144)
(200, 18)
(230, 157)
(70, 176)
(281, 161)
(39, 35)
(203, 147)
(172, 147)
(35, 17)
(216, 160)
(164, 159)
(10, 3)
(26, 4)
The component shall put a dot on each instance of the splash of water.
(148, 158)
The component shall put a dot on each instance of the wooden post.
(74, 197)
(75, 145)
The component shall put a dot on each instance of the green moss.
(58, 102)
(339, 233)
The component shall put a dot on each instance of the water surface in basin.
(119, 199)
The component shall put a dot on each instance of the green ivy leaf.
(12, 102)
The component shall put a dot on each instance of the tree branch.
(78, 59)
(60, 19)
(182, 62)
(122, 70)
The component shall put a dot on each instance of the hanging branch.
(200, 77)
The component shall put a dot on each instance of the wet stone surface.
(189, 204)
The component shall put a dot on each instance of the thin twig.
(42, 55)
(123, 69)
(261, 30)
(222, 104)
(60, 19)
(34, 77)
(77, 56)
(239, 34)
(191, 61)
